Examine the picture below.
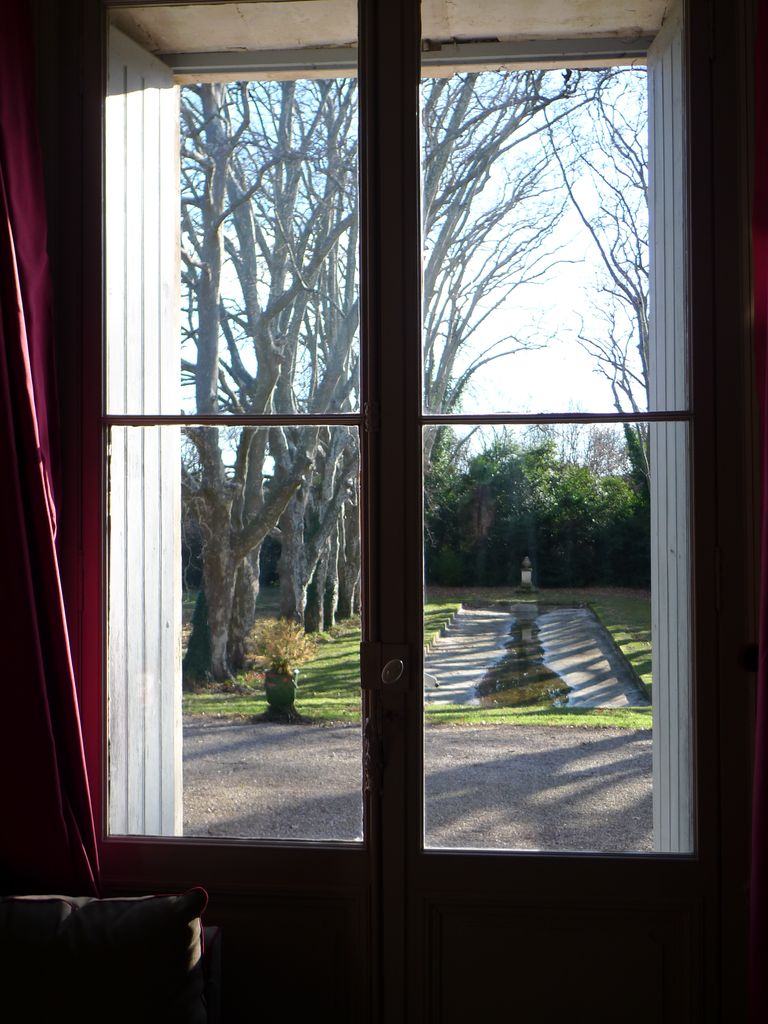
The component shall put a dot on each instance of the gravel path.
(517, 787)
(539, 788)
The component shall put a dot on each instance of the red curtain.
(47, 839)
(759, 891)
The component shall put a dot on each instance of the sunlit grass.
(333, 707)
(627, 618)
(616, 718)
(329, 684)
(437, 615)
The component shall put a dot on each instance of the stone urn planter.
(280, 688)
(282, 644)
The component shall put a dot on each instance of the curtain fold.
(47, 839)
(759, 887)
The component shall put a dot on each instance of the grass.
(627, 618)
(615, 718)
(437, 615)
(329, 685)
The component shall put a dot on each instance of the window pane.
(278, 330)
(538, 207)
(557, 681)
(232, 216)
(234, 678)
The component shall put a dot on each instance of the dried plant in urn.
(284, 646)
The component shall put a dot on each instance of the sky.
(554, 374)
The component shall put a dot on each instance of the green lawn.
(329, 685)
(627, 618)
(619, 718)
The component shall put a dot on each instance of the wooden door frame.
(389, 82)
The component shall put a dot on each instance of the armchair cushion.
(133, 959)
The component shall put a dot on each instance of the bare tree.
(489, 213)
(270, 219)
(601, 448)
(602, 160)
(270, 273)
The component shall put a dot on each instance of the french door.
(438, 910)
(503, 932)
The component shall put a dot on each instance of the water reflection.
(521, 677)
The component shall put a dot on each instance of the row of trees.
(269, 249)
(576, 512)
(270, 233)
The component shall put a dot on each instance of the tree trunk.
(196, 666)
(291, 567)
(243, 611)
(321, 509)
(331, 590)
(220, 576)
(349, 564)
(313, 611)
(211, 250)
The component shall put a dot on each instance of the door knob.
(392, 671)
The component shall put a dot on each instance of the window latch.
(384, 666)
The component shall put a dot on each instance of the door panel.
(473, 943)
(509, 961)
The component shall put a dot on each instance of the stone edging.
(443, 628)
(643, 687)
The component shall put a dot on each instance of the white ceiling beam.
(455, 56)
